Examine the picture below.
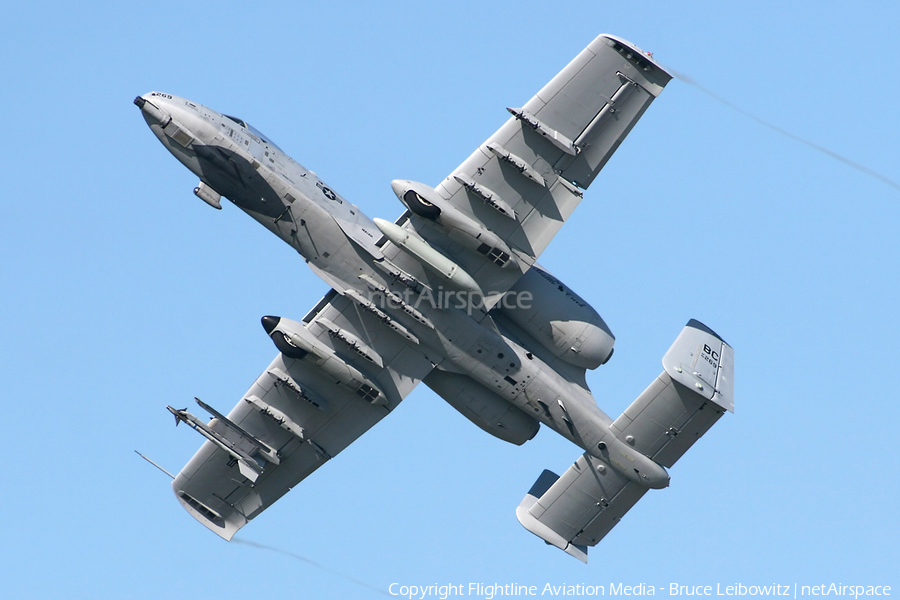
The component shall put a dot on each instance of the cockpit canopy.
(253, 130)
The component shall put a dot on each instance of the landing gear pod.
(423, 201)
(420, 205)
(483, 407)
(295, 341)
(208, 195)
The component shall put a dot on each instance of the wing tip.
(614, 41)
(578, 551)
(543, 531)
(224, 526)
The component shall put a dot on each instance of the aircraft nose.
(152, 113)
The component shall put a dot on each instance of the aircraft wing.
(525, 180)
(293, 419)
(578, 509)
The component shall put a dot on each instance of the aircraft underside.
(451, 294)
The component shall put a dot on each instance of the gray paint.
(390, 321)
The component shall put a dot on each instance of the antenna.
(154, 464)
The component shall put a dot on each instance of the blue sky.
(124, 292)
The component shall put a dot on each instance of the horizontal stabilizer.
(579, 508)
(693, 392)
(576, 510)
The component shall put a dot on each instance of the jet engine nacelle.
(559, 319)
(483, 407)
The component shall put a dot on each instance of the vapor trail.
(309, 562)
(861, 168)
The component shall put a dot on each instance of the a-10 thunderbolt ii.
(449, 294)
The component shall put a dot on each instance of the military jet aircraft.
(449, 294)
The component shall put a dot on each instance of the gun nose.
(152, 113)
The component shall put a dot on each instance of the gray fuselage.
(341, 244)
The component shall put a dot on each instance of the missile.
(395, 300)
(488, 196)
(295, 341)
(266, 451)
(388, 321)
(427, 256)
(247, 465)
